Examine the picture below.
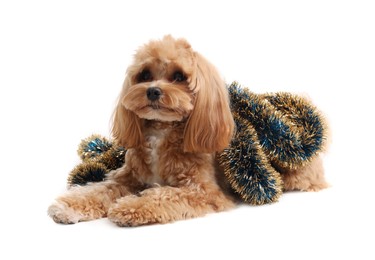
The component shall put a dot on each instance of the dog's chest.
(153, 151)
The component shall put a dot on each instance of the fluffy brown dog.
(173, 114)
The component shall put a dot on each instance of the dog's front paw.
(132, 211)
(62, 213)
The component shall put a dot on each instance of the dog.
(173, 114)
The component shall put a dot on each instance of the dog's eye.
(178, 76)
(145, 76)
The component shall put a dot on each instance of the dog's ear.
(126, 125)
(210, 126)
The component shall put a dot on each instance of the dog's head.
(168, 81)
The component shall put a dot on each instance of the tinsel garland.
(247, 167)
(290, 129)
(274, 131)
(99, 156)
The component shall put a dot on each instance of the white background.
(62, 64)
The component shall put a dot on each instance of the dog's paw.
(62, 213)
(130, 217)
(132, 212)
(316, 187)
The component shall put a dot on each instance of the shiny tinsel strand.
(248, 169)
(93, 146)
(99, 156)
(305, 119)
(290, 129)
(90, 171)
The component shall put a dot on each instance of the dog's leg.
(167, 204)
(307, 178)
(82, 203)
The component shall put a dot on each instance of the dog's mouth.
(157, 111)
(157, 106)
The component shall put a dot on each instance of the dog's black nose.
(153, 93)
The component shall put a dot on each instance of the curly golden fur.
(173, 114)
